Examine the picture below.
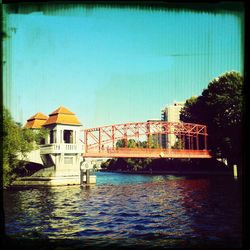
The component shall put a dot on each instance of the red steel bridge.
(100, 142)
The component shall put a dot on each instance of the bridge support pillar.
(86, 178)
(86, 174)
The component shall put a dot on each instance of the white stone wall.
(33, 156)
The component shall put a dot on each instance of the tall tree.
(220, 107)
(11, 146)
(17, 142)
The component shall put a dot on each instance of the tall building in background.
(171, 113)
(156, 138)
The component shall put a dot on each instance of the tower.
(62, 149)
(60, 154)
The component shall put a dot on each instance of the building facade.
(171, 113)
(156, 138)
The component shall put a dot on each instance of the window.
(42, 141)
(68, 160)
(51, 136)
(68, 136)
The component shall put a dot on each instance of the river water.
(131, 210)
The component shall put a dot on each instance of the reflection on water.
(139, 209)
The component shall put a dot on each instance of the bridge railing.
(148, 150)
(149, 153)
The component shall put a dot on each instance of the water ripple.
(144, 209)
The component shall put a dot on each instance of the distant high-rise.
(171, 113)
(156, 138)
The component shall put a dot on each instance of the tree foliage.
(131, 143)
(121, 143)
(220, 107)
(130, 164)
(188, 112)
(179, 144)
(17, 142)
(153, 141)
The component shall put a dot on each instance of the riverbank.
(168, 166)
(167, 172)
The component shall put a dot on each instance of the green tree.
(142, 144)
(179, 144)
(120, 143)
(220, 107)
(153, 141)
(189, 112)
(40, 135)
(132, 143)
(11, 146)
(17, 142)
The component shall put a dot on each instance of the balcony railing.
(57, 148)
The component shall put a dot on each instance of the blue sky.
(112, 65)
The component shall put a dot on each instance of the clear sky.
(116, 65)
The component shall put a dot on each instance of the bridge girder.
(96, 138)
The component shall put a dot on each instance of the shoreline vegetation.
(167, 166)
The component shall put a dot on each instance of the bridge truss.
(101, 141)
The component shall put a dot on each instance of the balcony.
(57, 148)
